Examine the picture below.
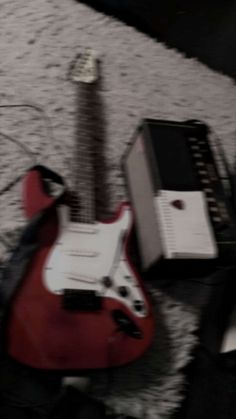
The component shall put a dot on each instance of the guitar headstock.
(84, 68)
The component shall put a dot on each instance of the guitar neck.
(83, 192)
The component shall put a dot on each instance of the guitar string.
(86, 151)
(84, 176)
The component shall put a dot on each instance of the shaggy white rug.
(140, 78)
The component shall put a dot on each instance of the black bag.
(25, 393)
(14, 269)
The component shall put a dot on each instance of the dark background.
(202, 29)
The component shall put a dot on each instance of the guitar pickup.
(82, 253)
(81, 300)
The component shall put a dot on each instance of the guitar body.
(90, 262)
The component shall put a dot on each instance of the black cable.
(5, 243)
(20, 144)
(10, 185)
(219, 269)
(229, 175)
(26, 149)
(193, 281)
(39, 110)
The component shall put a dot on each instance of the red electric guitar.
(81, 304)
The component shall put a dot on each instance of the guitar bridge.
(81, 300)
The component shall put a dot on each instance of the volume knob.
(123, 291)
(138, 305)
(107, 281)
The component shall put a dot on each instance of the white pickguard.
(86, 253)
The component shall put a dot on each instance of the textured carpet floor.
(140, 78)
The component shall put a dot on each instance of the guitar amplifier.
(181, 206)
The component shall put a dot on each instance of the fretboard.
(83, 189)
